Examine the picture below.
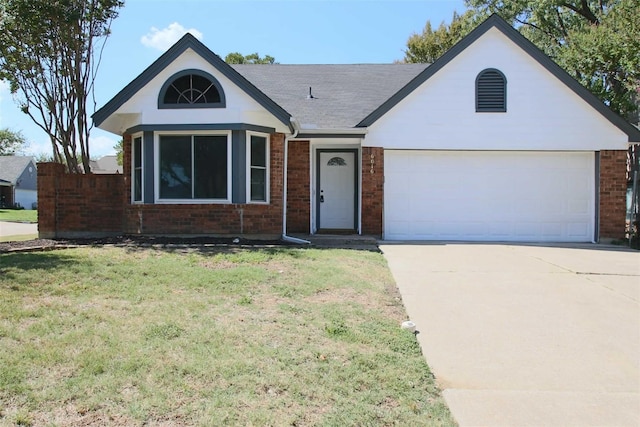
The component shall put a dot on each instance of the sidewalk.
(17, 229)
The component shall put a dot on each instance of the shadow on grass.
(34, 261)
(292, 252)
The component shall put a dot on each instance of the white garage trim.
(489, 196)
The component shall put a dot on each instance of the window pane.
(137, 153)
(137, 169)
(258, 151)
(182, 83)
(204, 90)
(171, 96)
(210, 167)
(175, 167)
(137, 185)
(258, 185)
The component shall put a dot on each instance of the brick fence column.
(613, 193)
(48, 174)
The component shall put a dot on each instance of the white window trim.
(156, 172)
(133, 169)
(267, 168)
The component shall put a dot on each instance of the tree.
(119, 147)
(430, 45)
(11, 142)
(254, 58)
(49, 53)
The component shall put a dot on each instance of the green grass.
(18, 238)
(251, 337)
(19, 215)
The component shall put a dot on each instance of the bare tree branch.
(47, 55)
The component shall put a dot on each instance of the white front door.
(336, 195)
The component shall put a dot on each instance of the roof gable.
(188, 41)
(495, 21)
(11, 167)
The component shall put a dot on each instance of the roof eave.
(188, 41)
(333, 133)
(496, 21)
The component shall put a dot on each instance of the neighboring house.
(18, 182)
(491, 142)
(105, 165)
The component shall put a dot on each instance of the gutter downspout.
(296, 128)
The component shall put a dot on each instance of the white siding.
(542, 112)
(142, 108)
(489, 196)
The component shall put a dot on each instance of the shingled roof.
(11, 167)
(343, 94)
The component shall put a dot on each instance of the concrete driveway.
(526, 335)
(17, 228)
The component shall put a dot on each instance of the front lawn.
(283, 336)
(19, 215)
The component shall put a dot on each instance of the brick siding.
(71, 205)
(298, 199)
(78, 205)
(93, 205)
(613, 193)
(372, 190)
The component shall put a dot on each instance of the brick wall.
(298, 199)
(372, 190)
(73, 205)
(78, 205)
(613, 193)
(259, 220)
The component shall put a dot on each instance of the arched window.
(491, 91)
(191, 89)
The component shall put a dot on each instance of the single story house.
(18, 182)
(491, 142)
(105, 165)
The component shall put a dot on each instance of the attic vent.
(491, 91)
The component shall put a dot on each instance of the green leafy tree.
(254, 58)
(11, 142)
(431, 44)
(49, 54)
(119, 147)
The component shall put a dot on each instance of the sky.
(292, 31)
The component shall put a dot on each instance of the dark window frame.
(162, 104)
(137, 168)
(491, 91)
(252, 165)
(193, 169)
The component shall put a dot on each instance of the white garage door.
(489, 196)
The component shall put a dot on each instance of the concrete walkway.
(521, 335)
(17, 228)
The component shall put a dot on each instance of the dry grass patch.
(115, 336)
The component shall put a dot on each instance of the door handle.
(321, 196)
